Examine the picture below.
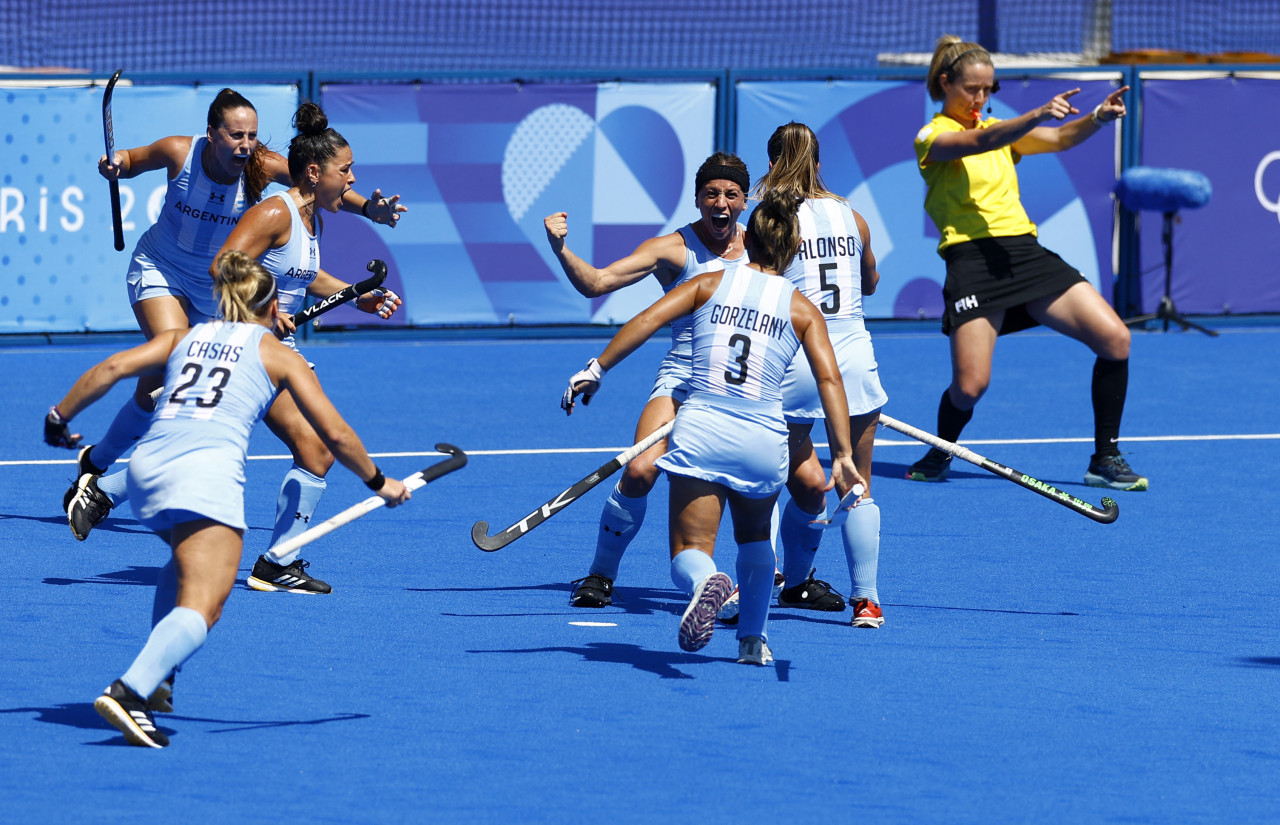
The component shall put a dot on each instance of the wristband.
(364, 207)
(1097, 118)
(56, 415)
(377, 481)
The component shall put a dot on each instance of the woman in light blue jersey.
(729, 444)
(213, 179)
(186, 476)
(712, 243)
(283, 232)
(834, 268)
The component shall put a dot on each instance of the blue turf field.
(1034, 666)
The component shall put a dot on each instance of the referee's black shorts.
(987, 275)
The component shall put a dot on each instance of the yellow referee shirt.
(975, 196)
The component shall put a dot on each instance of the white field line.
(879, 443)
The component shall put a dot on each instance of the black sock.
(1110, 383)
(951, 419)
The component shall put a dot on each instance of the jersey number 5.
(831, 304)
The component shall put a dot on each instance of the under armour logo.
(302, 518)
(217, 197)
(607, 529)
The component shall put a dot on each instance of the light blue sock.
(800, 541)
(689, 568)
(115, 486)
(129, 425)
(862, 549)
(172, 641)
(755, 588)
(299, 496)
(166, 592)
(621, 518)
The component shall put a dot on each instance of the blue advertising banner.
(59, 271)
(865, 131)
(479, 167)
(1226, 256)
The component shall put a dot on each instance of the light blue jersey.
(730, 429)
(676, 366)
(174, 254)
(827, 270)
(296, 264)
(190, 463)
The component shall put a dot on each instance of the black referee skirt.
(987, 275)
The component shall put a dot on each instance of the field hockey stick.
(1105, 514)
(379, 270)
(480, 530)
(841, 515)
(108, 132)
(457, 460)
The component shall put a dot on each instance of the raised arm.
(1056, 139)
(168, 153)
(956, 145)
(375, 207)
(656, 255)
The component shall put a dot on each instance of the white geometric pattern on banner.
(539, 148)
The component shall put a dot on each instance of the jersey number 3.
(741, 360)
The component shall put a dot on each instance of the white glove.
(585, 383)
(389, 302)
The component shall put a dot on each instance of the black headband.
(952, 64)
(718, 171)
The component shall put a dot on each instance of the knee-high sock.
(1110, 385)
(619, 522)
(299, 496)
(172, 641)
(166, 592)
(115, 486)
(689, 568)
(128, 426)
(755, 588)
(799, 541)
(951, 419)
(862, 549)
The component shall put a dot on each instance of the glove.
(57, 433)
(586, 383)
(390, 303)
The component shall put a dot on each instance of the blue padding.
(1162, 190)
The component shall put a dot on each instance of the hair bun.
(310, 119)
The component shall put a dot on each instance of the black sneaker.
(933, 467)
(86, 505)
(812, 594)
(269, 576)
(1114, 472)
(592, 591)
(161, 699)
(129, 714)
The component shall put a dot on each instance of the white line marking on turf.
(879, 443)
(594, 624)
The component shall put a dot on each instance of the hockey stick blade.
(108, 132)
(456, 460)
(841, 515)
(480, 530)
(1107, 513)
(350, 293)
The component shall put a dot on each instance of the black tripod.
(1167, 312)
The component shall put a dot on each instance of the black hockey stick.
(457, 460)
(1105, 514)
(117, 219)
(379, 270)
(480, 530)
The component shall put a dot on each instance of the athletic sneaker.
(268, 576)
(866, 613)
(935, 466)
(592, 591)
(729, 610)
(699, 619)
(812, 594)
(161, 699)
(752, 650)
(128, 712)
(1114, 472)
(87, 506)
